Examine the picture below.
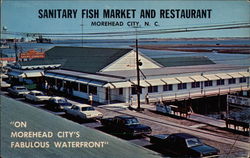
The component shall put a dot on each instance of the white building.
(109, 74)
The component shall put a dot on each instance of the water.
(235, 59)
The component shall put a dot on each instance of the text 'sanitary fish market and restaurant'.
(109, 75)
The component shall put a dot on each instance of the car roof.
(57, 97)
(125, 116)
(184, 135)
(36, 91)
(19, 86)
(83, 105)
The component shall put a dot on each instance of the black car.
(58, 103)
(127, 125)
(184, 145)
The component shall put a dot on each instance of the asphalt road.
(151, 121)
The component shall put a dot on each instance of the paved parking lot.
(226, 149)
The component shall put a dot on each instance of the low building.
(109, 75)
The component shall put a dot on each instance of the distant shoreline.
(218, 48)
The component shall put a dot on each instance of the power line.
(140, 32)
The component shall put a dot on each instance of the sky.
(23, 16)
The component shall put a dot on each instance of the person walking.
(147, 99)
(90, 99)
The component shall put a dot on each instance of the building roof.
(183, 61)
(40, 120)
(100, 77)
(84, 59)
(198, 69)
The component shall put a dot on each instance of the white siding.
(127, 62)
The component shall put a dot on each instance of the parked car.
(58, 103)
(183, 144)
(128, 125)
(18, 91)
(5, 85)
(37, 96)
(83, 111)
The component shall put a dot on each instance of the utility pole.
(15, 46)
(138, 88)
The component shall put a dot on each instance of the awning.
(70, 78)
(143, 83)
(49, 75)
(57, 76)
(15, 74)
(245, 74)
(82, 80)
(61, 77)
(185, 79)
(122, 84)
(198, 78)
(33, 74)
(171, 80)
(223, 76)
(109, 85)
(235, 75)
(96, 83)
(156, 82)
(211, 77)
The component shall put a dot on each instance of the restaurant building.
(109, 75)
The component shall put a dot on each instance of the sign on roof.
(31, 54)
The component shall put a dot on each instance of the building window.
(120, 91)
(152, 89)
(75, 86)
(220, 82)
(168, 87)
(208, 83)
(134, 90)
(195, 84)
(182, 86)
(83, 88)
(243, 80)
(93, 90)
(232, 81)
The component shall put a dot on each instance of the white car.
(18, 91)
(37, 96)
(83, 111)
(4, 85)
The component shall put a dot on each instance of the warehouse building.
(109, 75)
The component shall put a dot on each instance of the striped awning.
(156, 82)
(223, 76)
(211, 77)
(185, 79)
(122, 84)
(235, 75)
(198, 78)
(171, 80)
(143, 83)
(245, 74)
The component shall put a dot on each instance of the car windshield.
(132, 121)
(21, 88)
(62, 101)
(191, 142)
(88, 109)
